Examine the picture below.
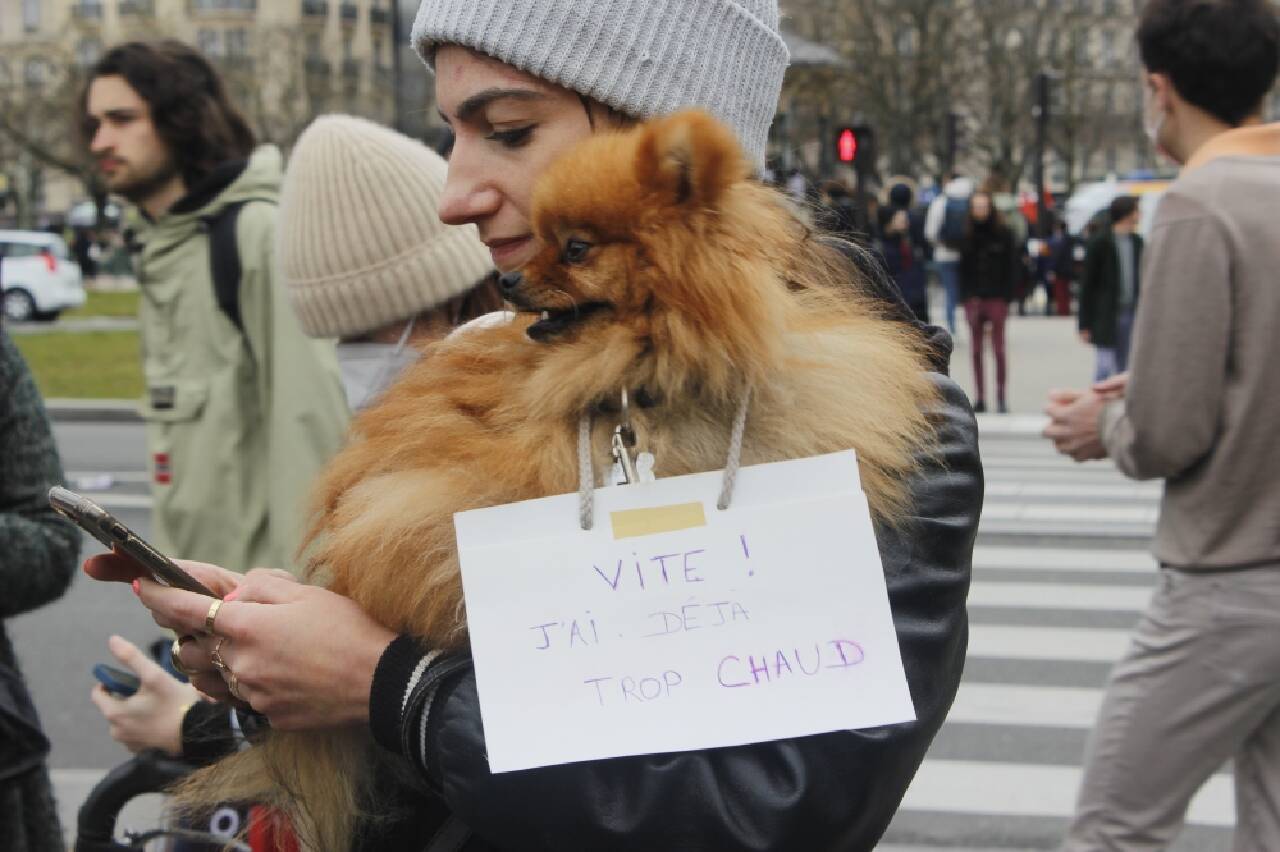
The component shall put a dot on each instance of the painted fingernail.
(137, 587)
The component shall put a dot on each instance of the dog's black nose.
(510, 282)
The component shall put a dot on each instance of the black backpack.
(224, 258)
(955, 221)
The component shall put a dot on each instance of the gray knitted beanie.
(360, 242)
(642, 57)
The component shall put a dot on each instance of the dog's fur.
(669, 272)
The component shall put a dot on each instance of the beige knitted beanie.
(360, 242)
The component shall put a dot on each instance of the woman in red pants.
(988, 276)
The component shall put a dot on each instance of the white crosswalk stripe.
(1050, 610)
(1058, 596)
(1041, 791)
(1066, 559)
(1085, 491)
(1025, 706)
(1047, 643)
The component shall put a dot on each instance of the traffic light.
(847, 145)
(855, 146)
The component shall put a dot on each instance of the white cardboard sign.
(674, 626)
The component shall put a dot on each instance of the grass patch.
(90, 365)
(106, 304)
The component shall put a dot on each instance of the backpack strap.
(224, 258)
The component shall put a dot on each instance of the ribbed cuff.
(417, 720)
(398, 668)
(430, 725)
(1109, 415)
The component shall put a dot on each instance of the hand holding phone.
(103, 526)
(152, 715)
(118, 682)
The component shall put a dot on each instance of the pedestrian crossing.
(1061, 573)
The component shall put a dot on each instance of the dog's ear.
(690, 157)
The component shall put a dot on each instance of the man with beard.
(241, 407)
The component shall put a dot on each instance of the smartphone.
(118, 682)
(100, 524)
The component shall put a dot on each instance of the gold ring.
(175, 660)
(233, 685)
(211, 615)
(216, 657)
(228, 676)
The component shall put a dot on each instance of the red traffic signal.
(847, 145)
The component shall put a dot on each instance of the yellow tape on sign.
(633, 523)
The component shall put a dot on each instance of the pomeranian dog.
(666, 270)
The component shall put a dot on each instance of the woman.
(989, 267)
(40, 550)
(403, 278)
(519, 86)
(903, 261)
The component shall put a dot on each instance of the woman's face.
(509, 126)
(980, 207)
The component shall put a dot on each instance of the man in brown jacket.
(1200, 684)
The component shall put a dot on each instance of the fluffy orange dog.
(667, 271)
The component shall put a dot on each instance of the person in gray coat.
(38, 553)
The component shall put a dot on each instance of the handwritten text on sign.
(766, 621)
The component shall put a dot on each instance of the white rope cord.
(586, 476)
(587, 480)
(735, 453)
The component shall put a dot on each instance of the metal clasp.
(624, 440)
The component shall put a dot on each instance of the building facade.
(285, 62)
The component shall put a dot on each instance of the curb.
(1011, 425)
(93, 410)
(85, 325)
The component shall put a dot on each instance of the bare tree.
(899, 55)
(911, 63)
(1099, 99)
(1001, 53)
(37, 128)
(276, 87)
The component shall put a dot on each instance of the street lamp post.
(396, 67)
(952, 144)
(1041, 112)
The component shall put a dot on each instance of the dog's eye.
(576, 251)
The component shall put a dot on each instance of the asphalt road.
(59, 645)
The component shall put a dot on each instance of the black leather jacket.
(834, 791)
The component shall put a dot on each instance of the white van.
(1090, 199)
(40, 279)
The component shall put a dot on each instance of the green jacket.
(238, 424)
(1100, 287)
